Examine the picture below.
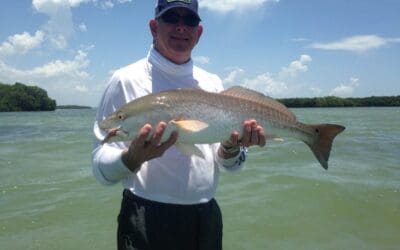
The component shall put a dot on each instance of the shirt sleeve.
(107, 164)
(108, 167)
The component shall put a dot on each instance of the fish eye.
(120, 116)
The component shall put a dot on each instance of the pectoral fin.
(192, 126)
(189, 149)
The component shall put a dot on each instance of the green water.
(283, 199)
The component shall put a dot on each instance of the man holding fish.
(168, 199)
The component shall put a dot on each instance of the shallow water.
(283, 199)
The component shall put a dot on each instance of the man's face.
(175, 40)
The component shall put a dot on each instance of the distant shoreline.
(73, 107)
(337, 102)
(20, 97)
(316, 102)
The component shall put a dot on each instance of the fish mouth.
(115, 133)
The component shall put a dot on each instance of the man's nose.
(181, 26)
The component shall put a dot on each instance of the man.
(168, 201)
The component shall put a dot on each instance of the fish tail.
(322, 142)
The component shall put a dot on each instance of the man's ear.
(199, 32)
(153, 27)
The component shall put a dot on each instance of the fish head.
(114, 126)
(123, 124)
(113, 121)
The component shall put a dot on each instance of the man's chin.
(181, 51)
(181, 47)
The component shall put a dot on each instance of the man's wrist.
(129, 161)
(227, 152)
(236, 161)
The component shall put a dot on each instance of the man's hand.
(253, 134)
(142, 150)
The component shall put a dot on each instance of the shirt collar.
(167, 66)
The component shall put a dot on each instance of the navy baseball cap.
(165, 5)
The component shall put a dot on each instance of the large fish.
(204, 117)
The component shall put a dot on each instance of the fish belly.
(222, 122)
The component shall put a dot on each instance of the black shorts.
(149, 225)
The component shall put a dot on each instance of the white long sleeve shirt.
(175, 177)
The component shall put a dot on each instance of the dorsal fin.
(254, 96)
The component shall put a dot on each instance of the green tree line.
(20, 97)
(333, 101)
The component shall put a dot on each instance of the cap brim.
(177, 6)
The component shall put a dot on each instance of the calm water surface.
(283, 199)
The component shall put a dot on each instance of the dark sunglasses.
(173, 17)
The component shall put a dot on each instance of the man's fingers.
(144, 133)
(261, 134)
(172, 139)
(246, 133)
(156, 138)
(234, 139)
(249, 135)
(254, 135)
(146, 146)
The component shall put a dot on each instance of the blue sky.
(283, 48)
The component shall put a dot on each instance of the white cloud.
(201, 59)
(21, 43)
(82, 27)
(49, 6)
(64, 80)
(81, 88)
(276, 85)
(234, 77)
(344, 90)
(357, 43)
(296, 67)
(225, 6)
(59, 28)
(299, 39)
(46, 6)
(55, 72)
(108, 4)
(265, 83)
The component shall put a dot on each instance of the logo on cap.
(185, 1)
